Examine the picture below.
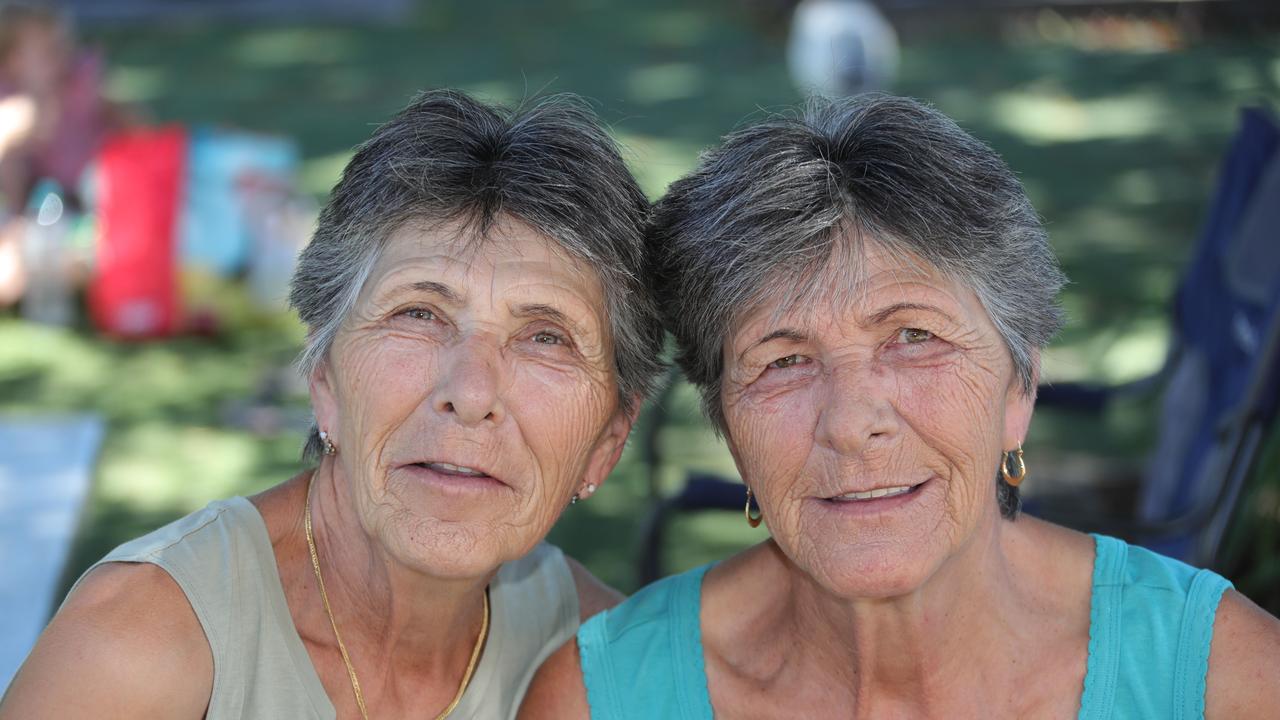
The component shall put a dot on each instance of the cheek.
(560, 415)
(382, 384)
(956, 415)
(772, 439)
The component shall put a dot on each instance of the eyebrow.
(888, 312)
(429, 286)
(541, 310)
(783, 334)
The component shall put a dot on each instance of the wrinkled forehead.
(460, 245)
(468, 239)
(853, 272)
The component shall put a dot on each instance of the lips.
(458, 472)
(889, 491)
(451, 469)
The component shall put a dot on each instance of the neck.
(402, 627)
(924, 652)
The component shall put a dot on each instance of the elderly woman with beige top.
(479, 344)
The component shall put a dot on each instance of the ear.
(612, 442)
(324, 400)
(1019, 406)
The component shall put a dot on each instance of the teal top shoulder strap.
(1151, 625)
(643, 658)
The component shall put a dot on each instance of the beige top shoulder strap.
(222, 559)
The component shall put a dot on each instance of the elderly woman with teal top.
(861, 292)
(479, 342)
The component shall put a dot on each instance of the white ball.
(841, 47)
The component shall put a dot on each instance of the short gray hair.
(447, 157)
(766, 210)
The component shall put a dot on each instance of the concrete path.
(46, 465)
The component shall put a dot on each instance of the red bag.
(134, 293)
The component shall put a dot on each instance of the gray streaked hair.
(765, 214)
(449, 158)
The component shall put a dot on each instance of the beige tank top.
(222, 559)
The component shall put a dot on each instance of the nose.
(857, 411)
(469, 386)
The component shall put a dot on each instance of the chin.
(854, 552)
(452, 550)
(872, 570)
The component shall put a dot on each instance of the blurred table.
(46, 465)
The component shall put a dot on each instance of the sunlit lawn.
(1117, 149)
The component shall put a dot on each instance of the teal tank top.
(1150, 627)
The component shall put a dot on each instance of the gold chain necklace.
(346, 659)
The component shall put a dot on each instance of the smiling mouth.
(445, 468)
(876, 494)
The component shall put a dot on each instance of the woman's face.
(471, 393)
(900, 387)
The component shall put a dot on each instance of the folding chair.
(1218, 383)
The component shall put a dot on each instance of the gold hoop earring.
(752, 520)
(329, 447)
(1014, 478)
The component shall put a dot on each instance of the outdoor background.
(1114, 119)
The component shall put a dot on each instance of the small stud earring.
(329, 447)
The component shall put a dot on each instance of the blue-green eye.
(914, 336)
(785, 362)
(548, 338)
(419, 314)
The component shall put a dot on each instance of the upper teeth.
(456, 468)
(878, 492)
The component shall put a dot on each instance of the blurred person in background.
(480, 340)
(53, 118)
(861, 292)
(52, 113)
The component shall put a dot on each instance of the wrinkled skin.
(902, 380)
(493, 355)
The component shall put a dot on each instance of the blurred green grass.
(1118, 150)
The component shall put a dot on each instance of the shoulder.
(1220, 651)
(1244, 661)
(1138, 566)
(125, 644)
(630, 653)
(545, 571)
(188, 542)
(557, 691)
(1147, 583)
(593, 595)
(673, 599)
